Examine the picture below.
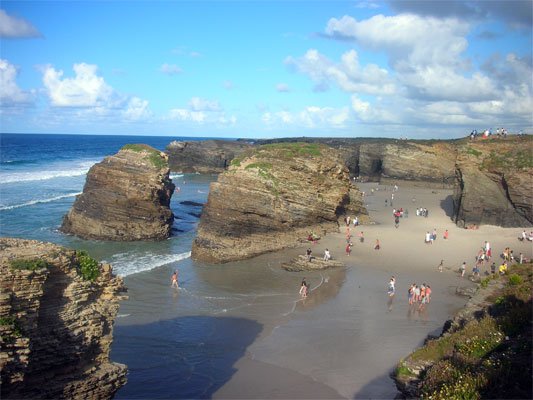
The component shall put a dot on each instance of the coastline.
(345, 339)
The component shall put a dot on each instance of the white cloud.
(349, 75)
(200, 104)
(137, 109)
(406, 37)
(170, 69)
(10, 93)
(309, 117)
(187, 115)
(86, 89)
(282, 88)
(13, 27)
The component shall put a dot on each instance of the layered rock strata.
(126, 197)
(272, 198)
(205, 157)
(56, 327)
(493, 183)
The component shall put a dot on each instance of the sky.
(263, 69)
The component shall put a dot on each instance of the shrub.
(13, 323)
(515, 279)
(88, 266)
(32, 264)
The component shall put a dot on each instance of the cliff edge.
(57, 308)
(126, 197)
(271, 198)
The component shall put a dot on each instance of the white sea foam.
(77, 169)
(125, 264)
(176, 176)
(39, 201)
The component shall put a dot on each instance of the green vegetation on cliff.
(88, 266)
(154, 155)
(28, 264)
(488, 357)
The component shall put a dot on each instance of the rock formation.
(126, 197)
(493, 183)
(271, 198)
(56, 327)
(206, 157)
(303, 263)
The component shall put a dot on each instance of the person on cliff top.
(174, 279)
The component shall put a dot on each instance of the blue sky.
(418, 69)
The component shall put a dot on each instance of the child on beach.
(361, 237)
(377, 246)
(349, 248)
(440, 265)
(462, 269)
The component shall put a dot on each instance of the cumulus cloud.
(170, 69)
(183, 114)
(10, 93)
(86, 89)
(348, 74)
(12, 27)
(137, 109)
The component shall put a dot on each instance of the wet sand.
(342, 341)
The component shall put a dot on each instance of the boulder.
(126, 198)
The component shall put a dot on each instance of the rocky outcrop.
(271, 199)
(206, 156)
(56, 327)
(303, 263)
(126, 197)
(493, 183)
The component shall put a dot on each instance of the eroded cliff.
(205, 157)
(272, 197)
(126, 197)
(56, 323)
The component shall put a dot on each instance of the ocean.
(41, 175)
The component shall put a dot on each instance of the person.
(523, 236)
(446, 234)
(428, 294)
(174, 279)
(361, 237)
(427, 239)
(377, 246)
(503, 268)
(462, 268)
(349, 248)
(440, 265)
(303, 289)
(392, 289)
(493, 268)
(488, 250)
(327, 256)
(475, 270)
(308, 254)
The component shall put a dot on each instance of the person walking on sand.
(440, 265)
(462, 269)
(445, 235)
(174, 279)
(392, 287)
(377, 246)
(327, 255)
(349, 248)
(361, 237)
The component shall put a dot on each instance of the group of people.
(526, 236)
(422, 212)
(419, 294)
(354, 221)
(309, 255)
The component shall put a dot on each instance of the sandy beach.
(265, 341)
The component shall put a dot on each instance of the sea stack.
(57, 308)
(126, 198)
(273, 197)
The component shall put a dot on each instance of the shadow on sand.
(447, 206)
(186, 357)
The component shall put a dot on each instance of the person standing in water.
(174, 279)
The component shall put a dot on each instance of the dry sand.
(347, 346)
